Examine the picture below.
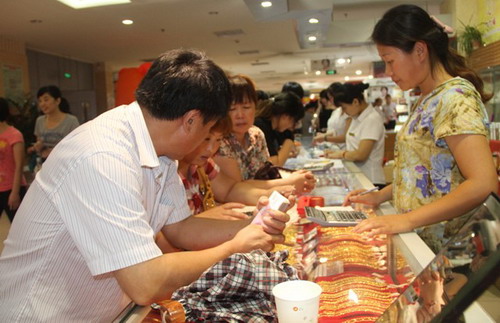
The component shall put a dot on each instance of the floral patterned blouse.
(251, 156)
(425, 169)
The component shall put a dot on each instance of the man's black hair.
(183, 80)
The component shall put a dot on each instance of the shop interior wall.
(74, 78)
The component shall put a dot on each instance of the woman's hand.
(319, 138)
(357, 196)
(304, 181)
(225, 212)
(385, 224)
(14, 201)
(335, 154)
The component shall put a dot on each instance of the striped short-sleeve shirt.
(94, 208)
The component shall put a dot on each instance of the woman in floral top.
(244, 150)
(443, 164)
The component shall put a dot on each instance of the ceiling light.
(341, 61)
(358, 72)
(318, 72)
(81, 4)
(127, 21)
(313, 21)
(311, 38)
(266, 4)
(347, 78)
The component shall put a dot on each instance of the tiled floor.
(4, 229)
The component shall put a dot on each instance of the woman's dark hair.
(286, 103)
(243, 89)
(323, 94)
(4, 110)
(261, 95)
(293, 87)
(64, 105)
(52, 90)
(348, 92)
(404, 25)
(183, 80)
(333, 88)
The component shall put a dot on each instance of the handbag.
(268, 171)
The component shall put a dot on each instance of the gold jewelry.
(206, 189)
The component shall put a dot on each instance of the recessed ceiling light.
(266, 4)
(81, 4)
(318, 72)
(347, 78)
(341, 61)
(313, 21)
(358, 72)
(311, 38)
(127, 21)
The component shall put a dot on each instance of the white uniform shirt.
(368, 125)
(336, 124)
(94, 208)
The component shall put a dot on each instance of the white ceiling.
(97, 34)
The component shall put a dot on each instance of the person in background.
(205, 185)
(293, 87)
(276, 116)
(390, 114)
(83, 242)
(12, 181)
(309, 121)
(297, 89)
(244, 151)
(54, 124)
(325, 110)
(377, 105)
(443, 165)
(383, 93)
(261, 96)
(366, 134)
(337, 124)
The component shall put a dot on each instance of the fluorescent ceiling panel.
(81, 4)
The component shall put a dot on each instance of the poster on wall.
(12, 81)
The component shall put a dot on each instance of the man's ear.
(190, 119)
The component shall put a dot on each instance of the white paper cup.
(297, 301)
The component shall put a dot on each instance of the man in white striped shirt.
(82, 243)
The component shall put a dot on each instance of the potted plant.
(470, 38)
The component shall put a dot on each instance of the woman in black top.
(274, 118)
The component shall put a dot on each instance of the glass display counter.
(360, 275)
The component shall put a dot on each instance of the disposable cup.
(297, 301)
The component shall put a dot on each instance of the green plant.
(470, 38)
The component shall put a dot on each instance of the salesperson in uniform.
(365, 135)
